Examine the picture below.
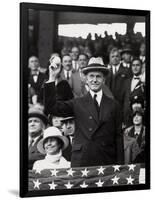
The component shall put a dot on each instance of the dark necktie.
(96, 103)
(31, 143)
(67, 75)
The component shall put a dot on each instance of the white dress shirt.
(142, 58)
(99, 96)
(134, 82)
(69, 73)
(75, 65)
(35, 77)
(115, 68)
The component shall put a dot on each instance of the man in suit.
(68, 129)
(79, 87)
(126, 55)
(142, 52)
(117, 76)
(37, 122)
(67, 71)
(133, 87)
(98, 137)
(36, 78)
(75, 55)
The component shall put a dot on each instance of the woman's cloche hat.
(52, 132)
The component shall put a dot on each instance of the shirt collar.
(99, 95)
(69, 72)
(117, 66)
(35, 73)
(139, 76)
(34, 139)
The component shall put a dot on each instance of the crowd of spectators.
(124, 57)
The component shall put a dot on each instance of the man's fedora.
(95, 64)
(126, 50)
(37, 111)
(67, 118)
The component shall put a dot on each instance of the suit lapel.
(119, 71)
(129, 85)
(138, 85)
(104, 108)
(89, 105)
(34, 147)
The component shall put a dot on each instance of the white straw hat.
(52, 132)
(95, 64)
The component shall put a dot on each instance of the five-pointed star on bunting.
(38, 171)
(101, 170)
(69, 185)
(115, 180)
(37, 184)
(131, 167)
(54, 172)
(52, 185)
(84, 172)
(84, 185)
(70, 172)
(116, 168)
(130, 180)
(99, 183)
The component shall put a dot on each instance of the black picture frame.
(24, 7)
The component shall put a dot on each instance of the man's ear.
(86, 80)
(104, 79)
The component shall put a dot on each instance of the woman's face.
(137, 119)
(56, 121)
(52, 146)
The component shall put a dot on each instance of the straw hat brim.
(96, 67)
(62, 138)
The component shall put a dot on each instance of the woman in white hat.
(52, 144)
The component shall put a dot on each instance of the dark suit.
(97, 140)
(116, 83)
(67, 152)
(62, 76)
(37, 85)
(34, 154)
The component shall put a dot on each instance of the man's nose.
(48, 142)
(95, 79)
(68, 125)
(32, 123)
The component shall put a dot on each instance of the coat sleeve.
(119, 136)
(52, 105)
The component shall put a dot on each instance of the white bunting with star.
(84, 177)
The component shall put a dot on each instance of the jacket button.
(90, 129)
(90, 117)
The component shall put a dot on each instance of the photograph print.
(84, 99)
